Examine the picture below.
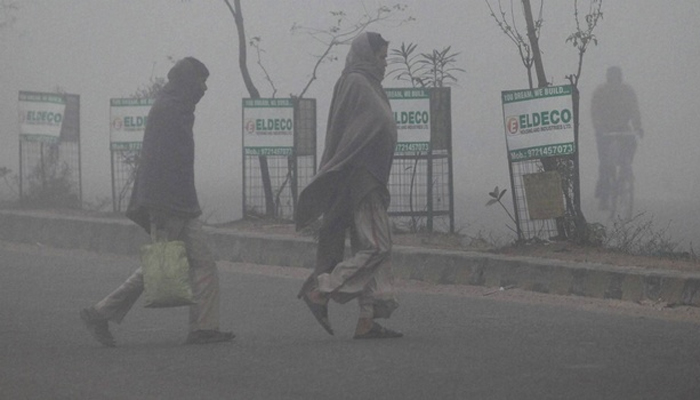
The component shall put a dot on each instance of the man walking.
(164, 202)
(350, 191)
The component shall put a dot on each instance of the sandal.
(379, 332)
(320, 312)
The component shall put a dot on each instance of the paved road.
(461, 343)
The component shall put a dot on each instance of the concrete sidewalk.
(120, 236)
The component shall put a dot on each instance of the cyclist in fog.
(614, 111)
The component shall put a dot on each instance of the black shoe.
(206, 336)
(98, 327)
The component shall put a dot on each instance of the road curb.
(120, 236)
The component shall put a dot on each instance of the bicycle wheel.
(623, 195)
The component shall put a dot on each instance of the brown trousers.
(367, 275)
(204, 314)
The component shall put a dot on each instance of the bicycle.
(621, 149)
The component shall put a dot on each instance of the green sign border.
(514, 96)
(537, 152)
(268, 151)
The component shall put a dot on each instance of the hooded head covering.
(362, 55)
(186, 78)
(376, 41)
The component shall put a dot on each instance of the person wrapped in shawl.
(350, 192)
(164, 203)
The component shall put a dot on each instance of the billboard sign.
(411, 107)
(268, 127)
(41, 116)
(128, 117)
(538, 123)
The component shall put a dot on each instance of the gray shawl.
(361, 135)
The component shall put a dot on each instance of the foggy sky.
(110, 48)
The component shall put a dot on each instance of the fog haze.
(106, 49)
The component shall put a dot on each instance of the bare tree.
(529, 51)
(580, 39)
(340, 33)
(530, 55)
(509, 27)
(583, 37)
(237, 14)
(255, 43)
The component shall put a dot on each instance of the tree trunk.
(534, 43)
(550, 163)
(242, 50)
(255, 94)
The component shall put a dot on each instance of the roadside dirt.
(554, 250)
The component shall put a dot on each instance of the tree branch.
(242, 48)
